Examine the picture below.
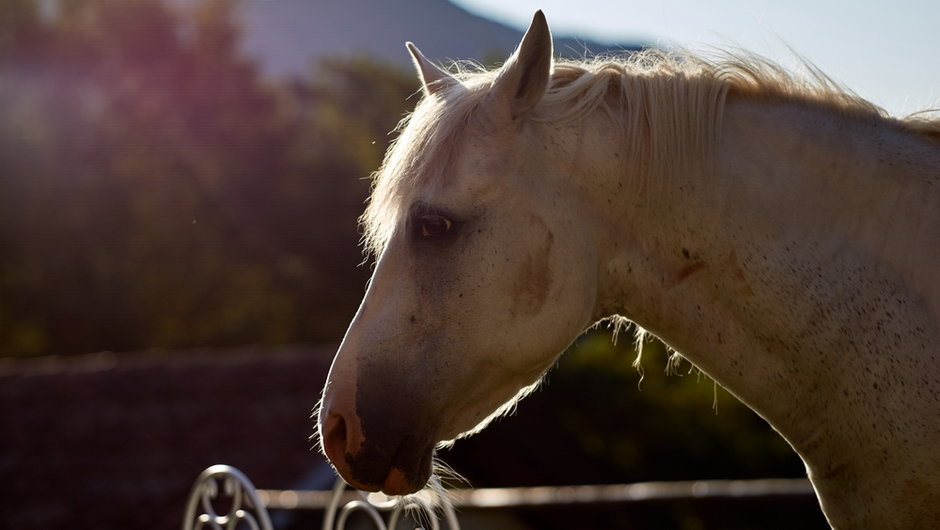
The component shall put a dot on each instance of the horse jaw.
(505, 409)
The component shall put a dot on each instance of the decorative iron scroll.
(228, 501)
(423, 508)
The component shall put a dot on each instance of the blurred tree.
(21, 33)
(155, 192)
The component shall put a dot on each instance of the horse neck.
(799, 272)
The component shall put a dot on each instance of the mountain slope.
(287, 36)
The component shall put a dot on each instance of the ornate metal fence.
(229, 501)
(225, 499)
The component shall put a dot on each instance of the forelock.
(423, 154)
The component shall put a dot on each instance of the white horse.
(783, 235)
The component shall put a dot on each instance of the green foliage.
(155, 192)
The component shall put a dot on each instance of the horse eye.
(434, 226)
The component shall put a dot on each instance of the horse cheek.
(533, 282)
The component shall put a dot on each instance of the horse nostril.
(334, 438)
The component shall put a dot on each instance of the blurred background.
(179, 187)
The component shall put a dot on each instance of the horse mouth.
(407, 472)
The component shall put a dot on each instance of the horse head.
(484, 275)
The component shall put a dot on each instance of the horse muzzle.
(377, 458)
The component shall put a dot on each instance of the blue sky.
(887, 52)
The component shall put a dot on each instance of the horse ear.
(522, 81)
(433, 79)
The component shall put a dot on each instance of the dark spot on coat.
(534, 279)
(685, 272)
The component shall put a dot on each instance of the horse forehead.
(476, 158)
(476, 171)
(497, 154)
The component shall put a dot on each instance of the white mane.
(670, 105)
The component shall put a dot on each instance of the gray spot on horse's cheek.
(534, 280)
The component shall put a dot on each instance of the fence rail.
(226, 498)
(565, 495)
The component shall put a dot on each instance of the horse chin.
(399, 482)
